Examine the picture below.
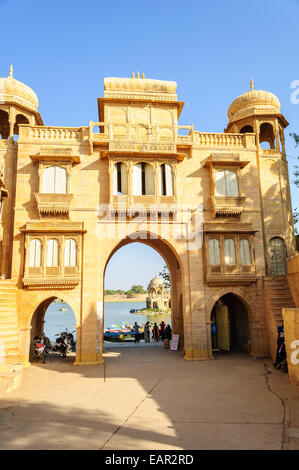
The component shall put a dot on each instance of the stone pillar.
(291, 332)
(25, 341)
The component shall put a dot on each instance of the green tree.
(165, 276)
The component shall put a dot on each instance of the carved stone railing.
(49, 134)
(225, 140)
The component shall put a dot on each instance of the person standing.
(136, 332)
(162, 329)
(156, 333)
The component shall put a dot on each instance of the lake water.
(60, 316)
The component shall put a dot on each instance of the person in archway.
(156, 333)
(136, 332)
(168, 332)
(162, 329)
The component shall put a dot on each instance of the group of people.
(152, 332)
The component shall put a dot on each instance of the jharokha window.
(229, 254)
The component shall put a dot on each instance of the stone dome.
(156, 282)
(254, 98)
(13, 91)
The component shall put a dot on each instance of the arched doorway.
(171, 259)
(230, 325)
(278, 257)
(51, 317)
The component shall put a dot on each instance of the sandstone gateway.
(72, 196)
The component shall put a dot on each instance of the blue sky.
(64, 49)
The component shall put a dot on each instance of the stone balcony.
(138, 205)
(231, 274)
(227, 206)
(54, 204)
(51, 277)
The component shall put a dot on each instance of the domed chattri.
(259, 99)
(156, 282)
(14, 91)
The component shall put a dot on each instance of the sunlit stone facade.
(216, 206)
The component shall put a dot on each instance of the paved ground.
(149, 398)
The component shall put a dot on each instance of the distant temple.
(158, 295)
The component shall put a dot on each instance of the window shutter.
(35, 252)
(137, 180)
(70, 253)
(149, 180)
(231, 184)
(169, 180)
(220, 183)
(48, 180)
(214, 252)
(245, 256)
(52, 253)
(60, 180)
(229, 252)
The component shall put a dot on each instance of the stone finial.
(10, 71)
(138, 75)
(133, 75)
(143, 76)
(251, 84)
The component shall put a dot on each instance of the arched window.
(70, 252)
(245, 255)
(120, 178)
(226, 183)
(143, 179)
(166, 180)
(35, 253)
(246, 129)
(4, 124)
(229, 251)
(267, 138)
(214, 252)
(54, 180)
(52, 252)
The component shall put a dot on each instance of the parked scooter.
(40, 347)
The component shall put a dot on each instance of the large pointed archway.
(174, 264)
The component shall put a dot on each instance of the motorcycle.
(40, 347)
(69, 340)
(60, 346)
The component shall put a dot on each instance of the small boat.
(118, 333)
(62, 309)
(133, 310)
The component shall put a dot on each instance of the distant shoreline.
(124, 298)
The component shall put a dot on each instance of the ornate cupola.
(19, 105)
(258, 111)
